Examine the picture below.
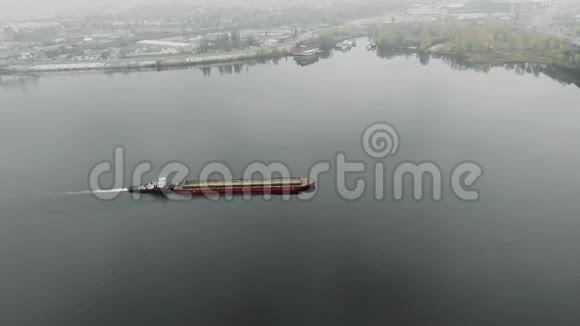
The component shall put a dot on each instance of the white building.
(196, 41)
(426, 10)
(165, 45)
(468, 16)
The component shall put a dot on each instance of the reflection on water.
(312, 59)
(21, 82)
(77, 260)
(306, 60)
(563, 75)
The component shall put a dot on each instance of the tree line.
(493, 43)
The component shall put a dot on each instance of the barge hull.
(245, 190)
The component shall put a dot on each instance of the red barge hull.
(280, 185)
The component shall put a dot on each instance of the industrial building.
(167, 46)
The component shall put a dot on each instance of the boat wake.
(90, 192)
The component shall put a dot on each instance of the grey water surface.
(510, 258)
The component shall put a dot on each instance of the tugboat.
(154, 187)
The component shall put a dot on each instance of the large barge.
(274, 185)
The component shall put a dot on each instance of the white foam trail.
(110, 191)
(88, 192)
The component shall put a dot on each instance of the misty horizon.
(37, 9)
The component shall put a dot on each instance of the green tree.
(425, 39)
(326, 41)
(234, 38)
(203, 45)
(518, 42)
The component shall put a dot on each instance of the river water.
(509, 258)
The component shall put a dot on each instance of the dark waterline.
(509, 259)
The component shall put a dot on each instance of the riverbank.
(482, 44)
(146, 63)
(502, 58)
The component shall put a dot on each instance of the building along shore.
(279, 50)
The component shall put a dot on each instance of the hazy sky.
(28, 8)
(18, 9)
(35, 8)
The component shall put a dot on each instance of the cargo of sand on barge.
(245, 185)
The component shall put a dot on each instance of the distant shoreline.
(500, 59)
(493, 44)
(493, 59)
(489, 59)
(126, 65)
